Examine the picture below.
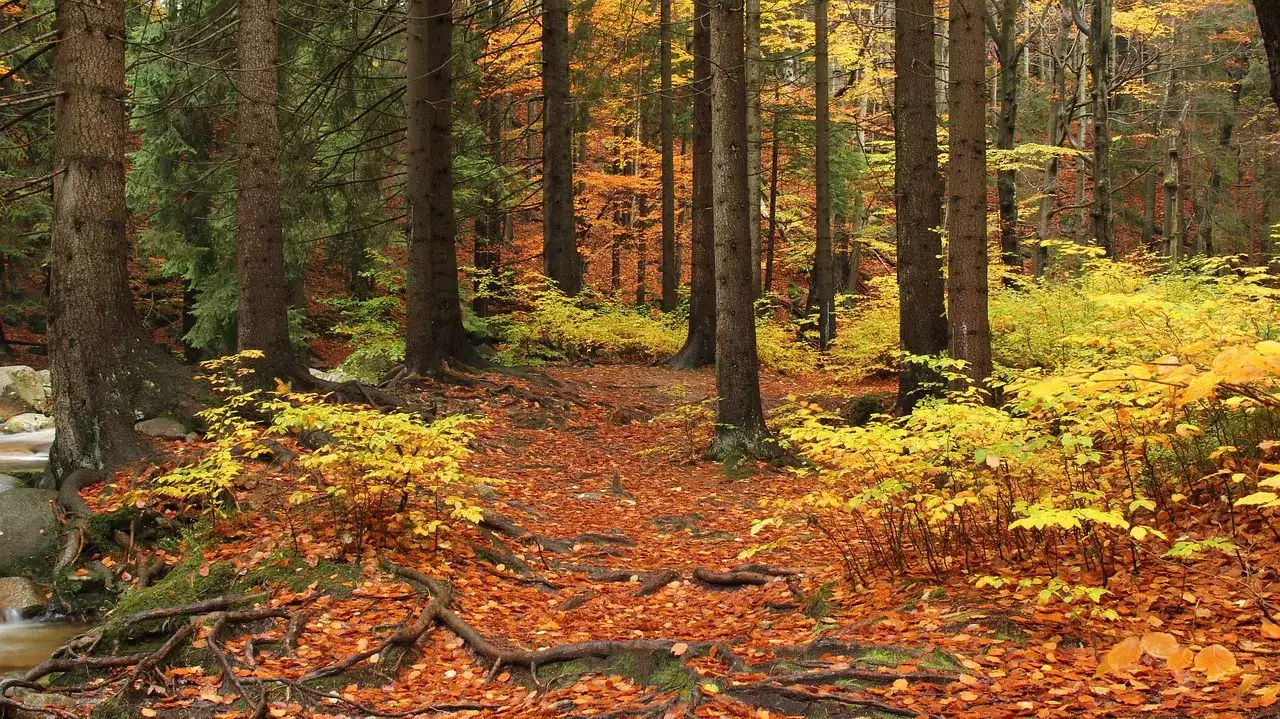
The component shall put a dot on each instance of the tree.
(823, 279)
(700, 344)
(670, 278)
(433, 312)
(103, 366)
(263, 305)
(967, 190)
(1099, 32)
(917, 194)
(740, 426)
(559, 250)
(1269, 21)
(753, 61)
(1008, 52)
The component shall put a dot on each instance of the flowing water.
(25, 451)
(23, 643)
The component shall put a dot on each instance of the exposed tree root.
(786, 700)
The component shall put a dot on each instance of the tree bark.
(773, 207)
(1100, 73)
(263, 306)
(1061, 109)
(1008, 52)
(103, 366)
(700, 345)
(559, 251)
(917, 193)
(740, 426)
(754, 60)
(824, 294)
(1269, 22)
(670, 275)
(967, 182)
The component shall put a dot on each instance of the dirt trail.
(604, 524)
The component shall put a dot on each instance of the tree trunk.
(740, 426)
(917, 194)
(824, 295)
(263, 308)
(103, 366)
(700, 345)
(1006, 125)
(1269, 21)
(754, 60)
(1100, 73)
(1060, 113)
(670, 274)
(773, 207)
(559, 251)
(967, 184)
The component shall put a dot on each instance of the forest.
(639, 358)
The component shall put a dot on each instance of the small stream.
(23, 643)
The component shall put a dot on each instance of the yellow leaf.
(1216, 661)
(1247, 682)
(1267, 696)
(900, 684)
(1121, 656)
(1180, 660)
(147, 712)
(710, 689)
(1160, 645)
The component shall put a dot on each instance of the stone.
(28, 422)
(20, 596)
(336, 376)
(21, 391)
(8, 482)
(166, 427)
(28, 533)
(47, 380)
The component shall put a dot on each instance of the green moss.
(885, 656)
(563, 674)
(941, 661)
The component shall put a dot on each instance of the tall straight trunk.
(559, 250)
(967, 185)
(103, 366)
(263, 304)
(639, 208)
(740, 426)
(1269, 22)
(1060, 111)
(773, 207)
(917, 193)
(1100, 40)
(1083, 227)
(491, 226)
(754, 145)
(700, 345)
(1008, 51)
(670, 264)
(1172, 194)
(433, 312)
(822, 265)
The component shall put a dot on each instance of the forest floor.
(604, 525)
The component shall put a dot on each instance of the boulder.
(21, 391)
(8, 482)
(28, 422)
(167, 427)
(21, 597)
(336, 376)
(46, 379)
(28, 532)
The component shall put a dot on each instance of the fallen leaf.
(1216, 661)
(710, 688)
(1120, 657)
(147, 712)
(900, 684)
(1180, 659)
(1160, 645)
(679, 648)
(1247, 682)
(1270, 631)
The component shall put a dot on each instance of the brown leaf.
(1216, 661)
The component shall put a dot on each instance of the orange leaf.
(1270, 631)
(679, 648)
(1180, 659)
(1121, 656)
(1160, 645)
(1216, 661)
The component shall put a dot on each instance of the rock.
(47, 380)
(21, 596)
(28, 532)
(167, 427)
(337, 376)
(8, 482)
(21, 391)
(28, 422)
